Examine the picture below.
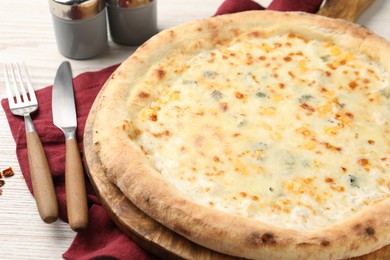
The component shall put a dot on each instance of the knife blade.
(65, 118)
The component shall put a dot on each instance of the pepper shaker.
(80, 27)
(132, 22)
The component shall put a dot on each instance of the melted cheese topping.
(290, 131)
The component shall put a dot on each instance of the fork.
(22, 101)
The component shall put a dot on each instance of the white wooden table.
(26, 34)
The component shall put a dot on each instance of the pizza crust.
(129, 169)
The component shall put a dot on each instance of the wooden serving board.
(147, 232)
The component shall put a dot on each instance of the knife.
(64, 117)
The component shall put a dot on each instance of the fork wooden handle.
(75, 188)
(41, 179)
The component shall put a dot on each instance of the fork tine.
(15, 85)
(10, 94)
(7, 85)
(29, 85)
(21, 83)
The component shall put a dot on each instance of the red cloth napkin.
(102, 239)
(234, 6)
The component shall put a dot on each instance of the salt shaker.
(132, 22)
(80, 27)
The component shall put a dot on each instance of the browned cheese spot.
(143, 95)
(353, 85)
(363, 161)
(243, 194)
(331, 147)
(357, 227)
(331, 66)
(160, 73)
(239, 95)
(256, 34)
(329, 180)
(304, 244)
(256, 238)
(307, 107)
(369, 231)
(325, 243)
(268, 238)
(147, 199)
(153, 117)
(223, 106)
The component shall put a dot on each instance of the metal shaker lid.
(76, 9)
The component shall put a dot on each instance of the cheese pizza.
(259, 134)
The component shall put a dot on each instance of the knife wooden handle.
(345, 9)
(76, 196)
(41, 179)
